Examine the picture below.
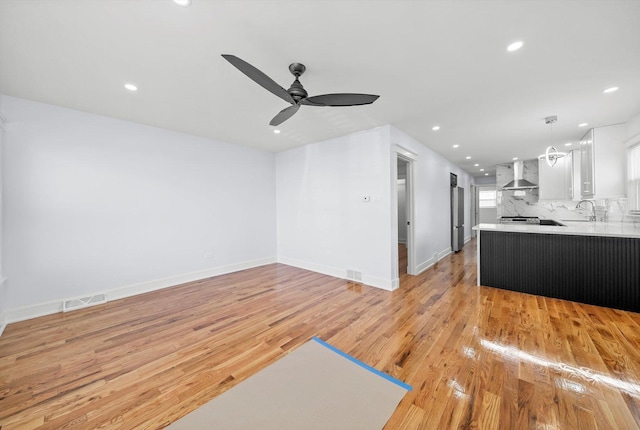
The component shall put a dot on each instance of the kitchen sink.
(551, 222)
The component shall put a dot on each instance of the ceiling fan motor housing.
(296, 90)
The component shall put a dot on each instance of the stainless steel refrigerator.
(457, 218)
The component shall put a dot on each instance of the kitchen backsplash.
(527, 203)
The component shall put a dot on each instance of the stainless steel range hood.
(518, 182)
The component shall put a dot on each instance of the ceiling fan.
(296, 94)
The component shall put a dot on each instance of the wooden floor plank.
(477, 357)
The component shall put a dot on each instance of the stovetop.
(519, 220)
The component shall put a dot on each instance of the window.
(487, 198)
(633, 175)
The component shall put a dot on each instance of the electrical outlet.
(366, 199)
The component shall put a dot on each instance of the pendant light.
(551, 155)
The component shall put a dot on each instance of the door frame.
(473, 202)
(400, 153)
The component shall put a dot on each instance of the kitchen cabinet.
(576, 161)
(586, 165)
(556, 182)
(575, 266)
(602, 164)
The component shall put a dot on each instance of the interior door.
(453, 186)
(473, 210)
(460, 225)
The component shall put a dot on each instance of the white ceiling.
(432, 62)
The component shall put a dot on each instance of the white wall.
(324, 225)
(2, 284)
(93, 204)
(485, 180)
(432, 212)
(323, 222)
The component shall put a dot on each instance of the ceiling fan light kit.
(296, 95)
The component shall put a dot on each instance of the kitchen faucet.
(593, 209)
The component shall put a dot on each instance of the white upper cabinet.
(576, 161)
(586, 165)
(602, 166)
(556, 182)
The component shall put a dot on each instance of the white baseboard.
(467, 239)
(444, 253)
(430, 262)
(372, 281)
(145, 287)
(33, 311)
(3, 318)
(41, 309)
(385, 284)
(313, 267)
(55, 306)
(425, 265)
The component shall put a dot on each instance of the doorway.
(403, 220)
(457, 213)
(486, 204)
(403, 250)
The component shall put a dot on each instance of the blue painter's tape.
(361, 364)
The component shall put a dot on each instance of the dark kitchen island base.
(597, 270)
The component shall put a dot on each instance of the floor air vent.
(354, 275)
(73, 304)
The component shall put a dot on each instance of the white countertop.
(598, 228)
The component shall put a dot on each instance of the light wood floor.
(477, 357)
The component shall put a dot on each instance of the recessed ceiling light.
(583, 124)
(456, 146)
(486, 174)
(131, 87)
(568, 144)
(610, 90)
(476, 165)
(276, 131)
(482, 170)
(515, 46)
(468, 157)
(435, 128)
(514, 158)
(183, 3)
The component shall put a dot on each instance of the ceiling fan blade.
(284, 115)
(260, 78)
(340, 100)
